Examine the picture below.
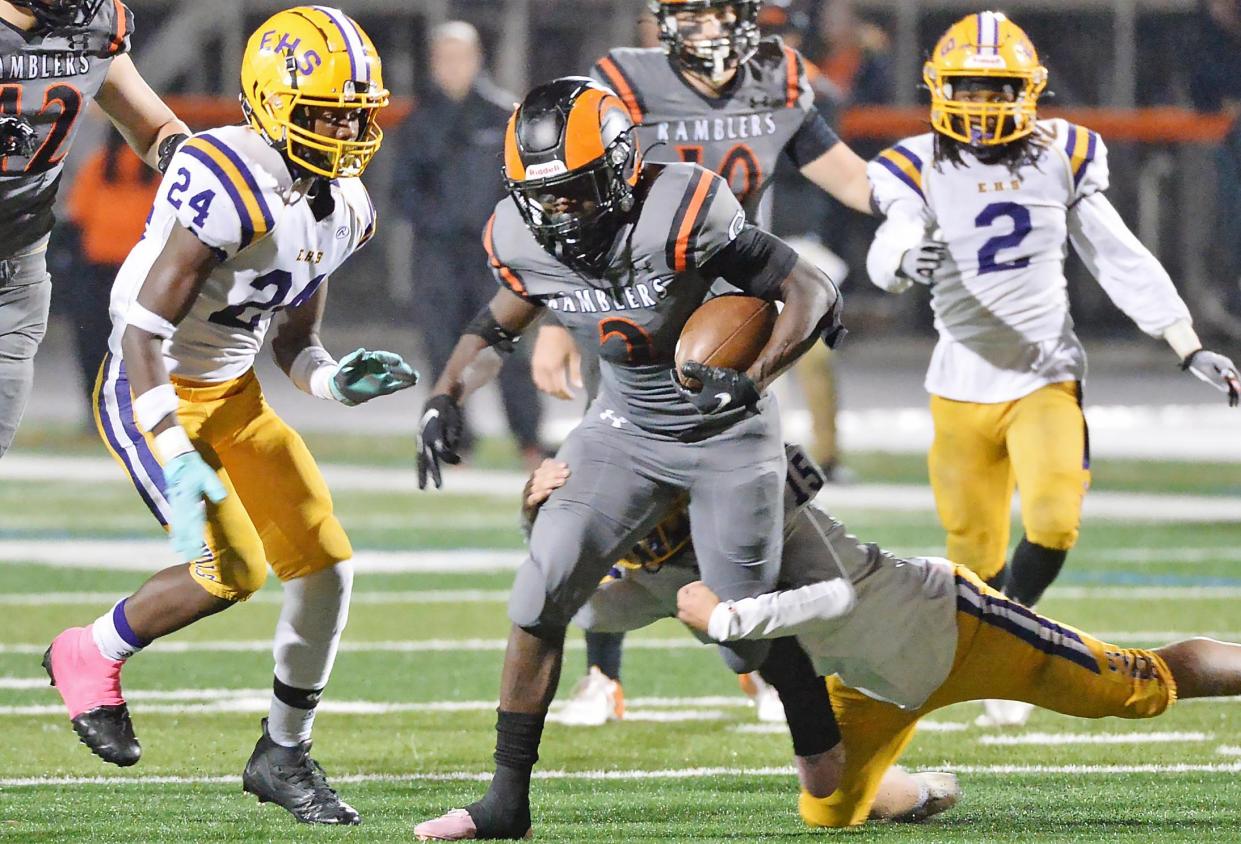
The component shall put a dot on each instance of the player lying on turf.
(981, 210)
(250, 220)
(903, 638)
(623, 253)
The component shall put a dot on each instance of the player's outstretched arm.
(145, 120)
(841, 172)
(1134, 279)
(361, 376)
(474, 362)
(165, 298)
(769, 616)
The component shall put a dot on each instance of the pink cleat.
(457, 825)
(90, 685)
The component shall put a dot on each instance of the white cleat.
(766, 700)
(596, 699)
(943, 791)
(1004, 713)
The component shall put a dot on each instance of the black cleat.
(288, 777)
(106, 730)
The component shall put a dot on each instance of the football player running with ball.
(716, 94)
(250, 220)
(979, 210)
(623, 252)
(57, 56)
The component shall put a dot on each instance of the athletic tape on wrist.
(148, 321)
(172, 443)
(312, 372)
(152, 406)
(1182, 338)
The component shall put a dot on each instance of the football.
(727, 331)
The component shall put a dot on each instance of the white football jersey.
(1000, 298)
(236, 194)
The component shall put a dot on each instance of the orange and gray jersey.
(46, 82)
(633, 312)
(767, 110)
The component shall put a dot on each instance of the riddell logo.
(548, 168)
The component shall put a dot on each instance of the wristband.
(151, 407)
(1182, 338)
(312, 372)
(719, 625)
(171, 444)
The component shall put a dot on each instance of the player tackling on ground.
(980, 210)
(250, 220)
(903, 637)
(623, 253)
(57, 56)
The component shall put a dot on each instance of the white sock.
(288, 725)
(312, 618)
(113, 636)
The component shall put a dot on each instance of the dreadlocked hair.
(1014, 155)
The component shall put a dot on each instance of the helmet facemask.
(575, 215)
(712, 56)
(60, 15)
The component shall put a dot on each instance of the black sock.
(605, 650)
(1032, 570)
(997, 580)
(807, 707)
(504, 811)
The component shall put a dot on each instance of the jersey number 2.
(1020, 217)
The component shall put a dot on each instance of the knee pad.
(312, 617)
(1053, 521)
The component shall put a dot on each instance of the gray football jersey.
(46, 82)
(633, 313)
(739, 135)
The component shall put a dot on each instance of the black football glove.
(722, 389)
(168, 148)
(17, 136)
(1216, 370)
(438, 438)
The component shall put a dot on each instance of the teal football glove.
(189, 480)
(362, 376)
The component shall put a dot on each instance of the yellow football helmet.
(313, 57)
(981, 46)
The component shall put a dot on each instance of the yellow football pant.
(1003, 651)
(1037, 443)
(278, 511)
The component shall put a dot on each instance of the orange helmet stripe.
(514, 168)
(583, 142)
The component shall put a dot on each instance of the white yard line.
(1056, 739)
(491, 596)
(657, 774)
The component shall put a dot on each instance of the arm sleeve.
(785, 613)
(219, 196)
(1126, 270)
(755, 262)
(904, 228)
(707, 218)
(813, 140)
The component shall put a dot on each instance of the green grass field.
(406, 727)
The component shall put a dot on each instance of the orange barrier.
(1144, 125)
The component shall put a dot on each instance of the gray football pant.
(25, 294)
(623, 482)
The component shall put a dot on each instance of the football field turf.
(405, 731)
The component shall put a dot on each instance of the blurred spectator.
(1216, 86)
(107, 209)
(447, 183)
(855, 55)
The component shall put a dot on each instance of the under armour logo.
(616, 421)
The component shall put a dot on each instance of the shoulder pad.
(220, 192)
(502, 240)
(621, 70)
(106, 35)
(362, 213)
(707, 216)
(898, 169)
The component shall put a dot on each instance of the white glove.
(1216, 370)
(920, 263)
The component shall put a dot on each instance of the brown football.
(727, 331)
